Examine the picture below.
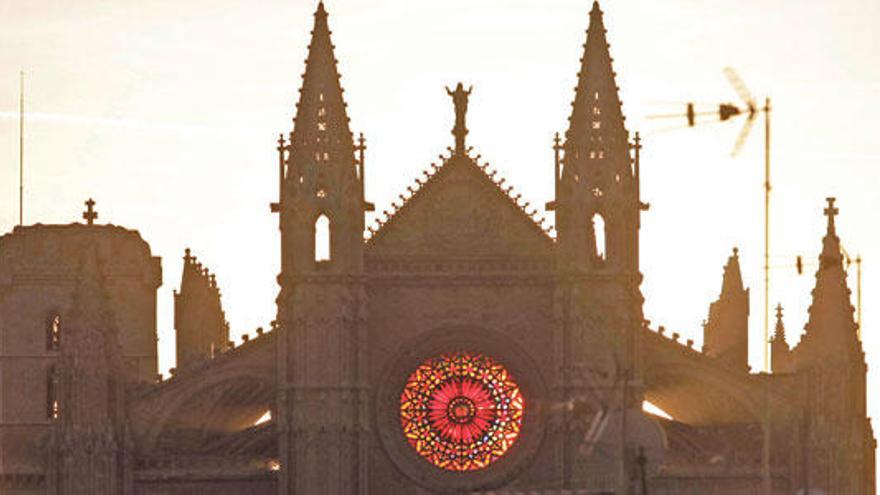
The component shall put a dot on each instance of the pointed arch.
(599, 235)
(322, 238)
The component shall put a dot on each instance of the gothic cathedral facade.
(458, 347)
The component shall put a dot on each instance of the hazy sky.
(167, 112)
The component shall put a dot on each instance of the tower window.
(53, 332)
(322, 239)
(599, 234)
(53, 411)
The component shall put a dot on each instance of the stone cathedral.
(457, 347)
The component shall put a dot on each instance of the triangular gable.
(460, 212)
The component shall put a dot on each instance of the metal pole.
(21, 150)
(765, 461)
(768, 487)
(766, 343)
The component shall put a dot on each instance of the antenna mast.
(750, 110)
(21, 150)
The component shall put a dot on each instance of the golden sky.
(167, 113)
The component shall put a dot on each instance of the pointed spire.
(198, 313)
(780, 353)
(726, 331)
(596, 124)
(779, 333)
(831, 322)
(321, 129)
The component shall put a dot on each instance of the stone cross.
(90, 214)
(831, 211)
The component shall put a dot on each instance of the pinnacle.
(596, 115)
(321, 124)
(779, 333)
(831, 313)
(732, 280)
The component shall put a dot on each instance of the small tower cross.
(831, 211)
(90, 214)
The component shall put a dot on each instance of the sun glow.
(264, 418)
(656, 411)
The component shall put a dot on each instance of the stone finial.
(90, 214)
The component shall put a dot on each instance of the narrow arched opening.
(53, 332)
(599, 235)
(322, 239)
(53, 410)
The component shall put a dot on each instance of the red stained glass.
(462, 411)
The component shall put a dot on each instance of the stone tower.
(598, 301)
(834, 430)
(321, 301)
(726, 332)
(40, 272)
(202, 330)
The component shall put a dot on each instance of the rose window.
(461, 412)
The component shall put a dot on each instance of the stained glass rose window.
(461, 411)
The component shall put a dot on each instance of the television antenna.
(750, 109)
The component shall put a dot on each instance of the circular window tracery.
(461, 411)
